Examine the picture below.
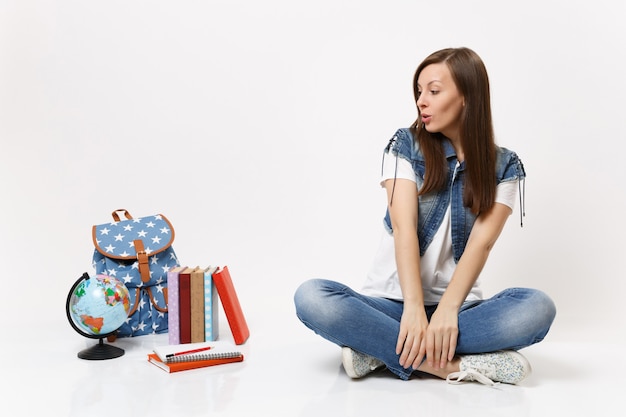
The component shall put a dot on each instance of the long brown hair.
(477, 137)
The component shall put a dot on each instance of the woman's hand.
(441, 336)
(411, 344)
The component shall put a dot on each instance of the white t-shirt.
(437, 264)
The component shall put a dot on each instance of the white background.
(257, 128)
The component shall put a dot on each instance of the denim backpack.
(138, 252)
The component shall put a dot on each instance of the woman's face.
(440, 104)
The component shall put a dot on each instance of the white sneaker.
(507, 366)
(358, 364)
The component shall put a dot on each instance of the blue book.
(211, 310)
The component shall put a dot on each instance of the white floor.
(292, 372)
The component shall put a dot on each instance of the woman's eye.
(434, 92)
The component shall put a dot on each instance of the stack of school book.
(182, 357)
(194, 295)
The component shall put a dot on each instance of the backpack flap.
(134, 241)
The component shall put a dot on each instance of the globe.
(96, 307)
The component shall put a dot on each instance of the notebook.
(153, 358)
(189, 352)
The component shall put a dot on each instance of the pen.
(187, 352)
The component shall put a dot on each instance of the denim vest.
(433, 206)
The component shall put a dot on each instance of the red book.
(153, 358)
(184, 304)
(232, 308)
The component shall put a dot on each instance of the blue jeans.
(512, 319)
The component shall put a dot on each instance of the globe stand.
(101, 352)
